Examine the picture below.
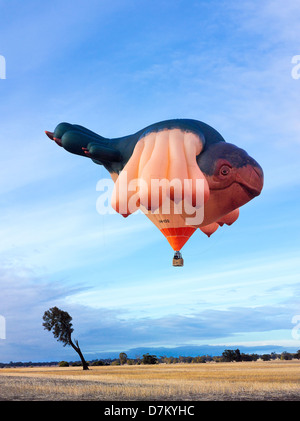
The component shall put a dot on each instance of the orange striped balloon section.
(172, 225)
(177, 237)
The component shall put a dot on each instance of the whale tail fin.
(81, 141)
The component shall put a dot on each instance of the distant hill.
(183, 351)
(194, 351)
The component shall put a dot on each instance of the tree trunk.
(77, 349)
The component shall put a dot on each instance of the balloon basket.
(177, 259)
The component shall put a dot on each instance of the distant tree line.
(59, 322)
(229, 355)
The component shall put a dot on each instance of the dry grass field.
(272, 380)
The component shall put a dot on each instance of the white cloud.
(65, 234)
(251, 282)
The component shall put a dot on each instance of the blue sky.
(116, 67)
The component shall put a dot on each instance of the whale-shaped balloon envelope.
(181, 173)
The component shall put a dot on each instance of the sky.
(116, 67)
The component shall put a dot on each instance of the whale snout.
(251, 178)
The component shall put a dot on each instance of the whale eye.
(224, 170)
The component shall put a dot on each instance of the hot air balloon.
(183, 163)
